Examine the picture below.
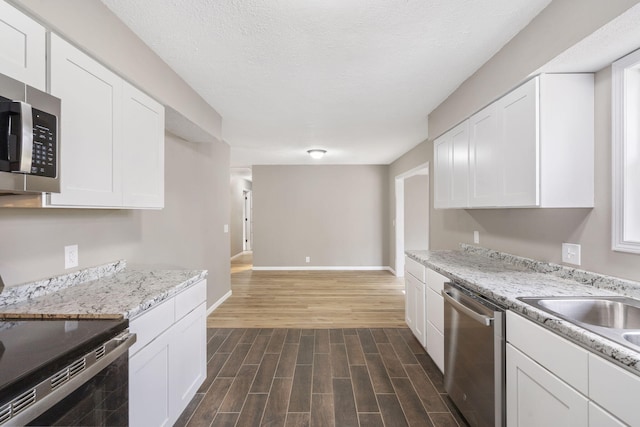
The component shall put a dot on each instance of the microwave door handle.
(26, 137)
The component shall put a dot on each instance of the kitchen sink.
(616, 318)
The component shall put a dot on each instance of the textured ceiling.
(355, 77)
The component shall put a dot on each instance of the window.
(626, 153)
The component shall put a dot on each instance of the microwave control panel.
(44, 158)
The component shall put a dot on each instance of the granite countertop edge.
(115, 293)
(474, 268)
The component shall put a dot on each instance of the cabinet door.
(409, 300)
(459, 169)
(485, 158)
(187, 359)
(598, 417)
(535, 397)
(149, 392)
(435, 345)
(442, 172)
(90, 128)
(143, 151)
(421, 313)
(23, 49)
(519, 130)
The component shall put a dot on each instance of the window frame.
(622, 70)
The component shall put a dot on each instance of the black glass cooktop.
(32, 350)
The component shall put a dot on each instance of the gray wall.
(238, 185)
(535, 233)
(335, 214)
(416, 212)
(188, 233)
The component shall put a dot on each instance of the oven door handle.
(478, 317)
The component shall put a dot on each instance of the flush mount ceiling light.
(317, 153)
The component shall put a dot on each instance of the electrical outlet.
(476, 237)
(70, 256)
(571, 253)
(226, 228)
(307, 259)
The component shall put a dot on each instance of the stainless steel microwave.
(29, 139)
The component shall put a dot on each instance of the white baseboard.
(216, 304)
(326, 268)
(239, 254)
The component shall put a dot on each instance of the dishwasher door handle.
(478, 317)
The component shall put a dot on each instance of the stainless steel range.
(64, 372)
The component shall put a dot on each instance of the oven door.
(96, 396)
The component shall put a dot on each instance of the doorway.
(405, 218)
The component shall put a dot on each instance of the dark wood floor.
(319, 377)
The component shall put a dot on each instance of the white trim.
(217, 304)
(331, 268)
(618, 155)
(398, 224)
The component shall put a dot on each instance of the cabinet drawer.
(436, 281)
(151, 323)
(615, 389)
(415, 269)
(435, 309)
(565, 359)
(190, 298)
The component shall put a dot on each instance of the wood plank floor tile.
(391, 361)
(391, 411)
(214, 366)
(370, 420)
(300, 400)
(189, 410)
(411, 341)
(432, 371)
(210, 403)
(257, 350)
(227, 419)
(339, 361)
(354, 350)
(379, 336)
(367, 341)
(266, 332)
(277, 340)
(237, 394)
(405, 355)
(363, 390)
(426, 391)
(336, 336)
(307, 332)
(232, 340)
(252, 410)
(322, 341)
(305, 350)
(249, 336)
(287, 363)
(322, 411)
(349, 331)
(443, 419)
(379, 376)
(265, 374)
(322, 374)
(298, 419)
(275, 413)
(344, 403)
(412, 407)
(231, 368)
(293, 336)
(213, 345)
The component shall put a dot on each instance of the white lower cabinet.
(435, 317)
(553, 382)
(168, 368)
(415, 307)
(536, 397)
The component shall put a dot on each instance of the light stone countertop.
(502, 278)
(112, 291)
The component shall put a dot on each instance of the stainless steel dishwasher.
(474, 362)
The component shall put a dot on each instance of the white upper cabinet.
(143, 150)
(534, 147)
(23, 48)
(112, 135)
(452, 168)
(91, 165)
